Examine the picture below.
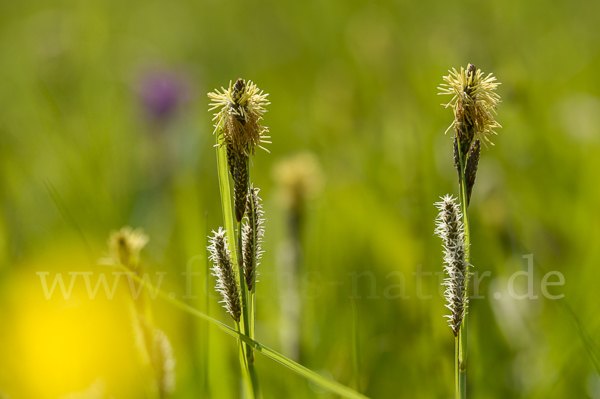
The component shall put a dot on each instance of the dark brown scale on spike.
(249, 243)
(237, 162)
(240, 184)
(470, 76)
(471, 168)
(230, 157)
(456, 157)
(471, 69)
(465, 133)
(241, 187)
(238, 89)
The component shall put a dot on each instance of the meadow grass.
(474, 102)
(85, 148)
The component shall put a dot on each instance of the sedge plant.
(238, 131)
(242, 106)
(474, 102)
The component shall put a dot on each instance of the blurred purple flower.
(162, 92)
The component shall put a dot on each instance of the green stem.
(252, 311)
(246, 375)
(457, 394)
(254, 380)
(460, 354)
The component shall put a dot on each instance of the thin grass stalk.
(254, 378)
(460, 356)
(247, 381)
(252, 311)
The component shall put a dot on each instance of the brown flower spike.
(471, 168)
(238, 168)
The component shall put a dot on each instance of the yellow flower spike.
(474, 102)
(242, 106)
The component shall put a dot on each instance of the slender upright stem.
(249, 389)
(243, 293)
(457, 394)
(252, 310)
(460, 353)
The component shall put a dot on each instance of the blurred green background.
(104, 123)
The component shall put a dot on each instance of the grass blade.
(226, 204)
(324, 382)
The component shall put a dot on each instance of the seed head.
(253, 233)
(474, 102)
(242, 106)
(125, 246)
(449, 228)
(224, 272)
